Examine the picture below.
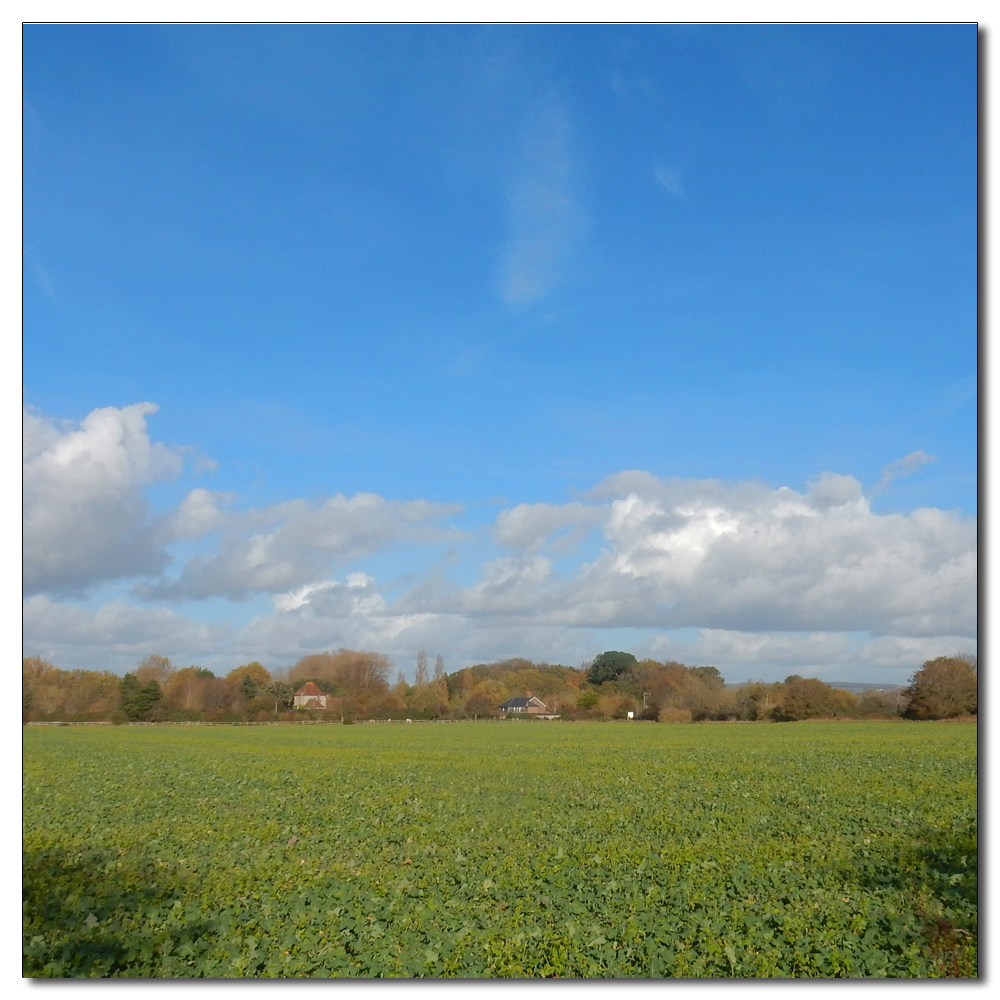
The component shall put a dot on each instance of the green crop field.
(516, 849)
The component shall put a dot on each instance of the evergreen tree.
(138, 699)
(609, 665)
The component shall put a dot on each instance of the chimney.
(528, 693)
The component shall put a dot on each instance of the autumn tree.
(40, 688)
(538, 682)
(709, 676)
(33, 668)
(485, 698)
(154, 668)
(755, 700)
(429, 700)
(875, 702)
(184, 689)
(48, 692)
(698, 690)
(809, 698)
(479, 704)
(943, 688)
(89, 693)
(220, 698)
(390, 704)
(252, 678)
(356, 674)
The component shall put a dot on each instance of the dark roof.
(522, 702)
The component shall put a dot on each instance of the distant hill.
(854, 686)
(857, 687)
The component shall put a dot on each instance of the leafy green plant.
(482, 850)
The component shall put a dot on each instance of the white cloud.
(354, 614)
(200, 513)
(766, 577)
(332, 599)
(116, 635)
(85, 516)
(292, 544)
(749, 557)
(546, 222)
(528, 526)
(830, 655)
(744, 556)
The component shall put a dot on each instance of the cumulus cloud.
(750, 557)
(333, 599)
(529, 526)
(86, 519)
(744, 556)
(546, 221)
(761, 575)
(85, 516)
(200, 513)
(292, 544)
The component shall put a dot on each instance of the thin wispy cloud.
(904, 466)
(42, 277)
(546, 220)
(670, 181)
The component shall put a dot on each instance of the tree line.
(357, 686)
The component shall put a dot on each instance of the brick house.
(529, 704)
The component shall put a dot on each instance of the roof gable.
(308, 690)
(523, 702)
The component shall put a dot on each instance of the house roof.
(308, 690)
(522, 702)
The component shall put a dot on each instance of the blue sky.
(484, 274)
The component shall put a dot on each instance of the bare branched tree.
(155, 668)
(421, 677)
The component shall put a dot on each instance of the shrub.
(671, 714)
